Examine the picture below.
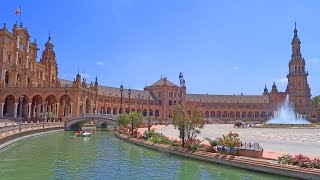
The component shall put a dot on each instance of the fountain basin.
(278, 125)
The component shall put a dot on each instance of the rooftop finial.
(295, 29)
(49, 39)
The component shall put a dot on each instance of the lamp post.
(129, 93)
(66, 91)
(121, 89)
(139, 102)
(182, 128)
(21, 101)
(149, 112)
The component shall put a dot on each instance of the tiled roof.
(227, 98)
(163, 81)
(112, 91)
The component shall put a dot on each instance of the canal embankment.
(254, 164)
(12, 133)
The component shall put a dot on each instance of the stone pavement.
(275, 141)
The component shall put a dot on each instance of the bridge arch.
(72, 123)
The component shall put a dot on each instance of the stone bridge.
(107, 118)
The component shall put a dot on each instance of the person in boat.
(78, 132)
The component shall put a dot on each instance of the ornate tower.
(265, 91)
(298, 87)
(49, 60)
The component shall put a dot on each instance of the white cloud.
(84, 75)
(283, 80)
(235, 68)
(314, 60)
(100, 63)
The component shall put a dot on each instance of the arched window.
(244, 114)
(207, 114)
(256, 115)
(213, 114)
(225, 114)
(218, 114)
(238, 114)
(150, 112)
(6, 78)
(156, 113)
(145, 112)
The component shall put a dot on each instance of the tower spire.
(295, 30)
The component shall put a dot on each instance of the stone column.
(34, 110)
(84, 106)
(43, 110)
(29, 110)
(16, 57)
(71, 105)
(4, 55)
(57, 113)
(15, 110)
(2, 106)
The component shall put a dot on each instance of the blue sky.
(222, 47)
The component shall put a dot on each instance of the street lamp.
(21, 101)
(129, 93)
(121, 89)
(65, 101)
(149, 112)
(141, 104)
(182, 134)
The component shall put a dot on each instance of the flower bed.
(299, 160)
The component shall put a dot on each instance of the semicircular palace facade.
(31, 90)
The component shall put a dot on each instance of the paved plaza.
(273, 140)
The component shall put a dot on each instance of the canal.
(60, 155)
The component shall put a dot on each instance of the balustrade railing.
(91, 115)
(22, 127)
(251, 146)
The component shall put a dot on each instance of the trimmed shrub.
(285, 159)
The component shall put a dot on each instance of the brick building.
(31, 89)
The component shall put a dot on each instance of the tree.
(316, 101)
(136, 119)
(189, 124)
(123, 119)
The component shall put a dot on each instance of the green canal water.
(60, 155)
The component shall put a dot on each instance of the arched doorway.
(51, 107)
(36, 108)
(65, 106)
(115, 111)
(8, 110)
(108, 110)
(22, 108)
(87, 106)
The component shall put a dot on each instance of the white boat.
(86, 134)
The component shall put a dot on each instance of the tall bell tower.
(49, 60)
(298, 87)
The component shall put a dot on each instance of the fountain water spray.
(286, 115)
